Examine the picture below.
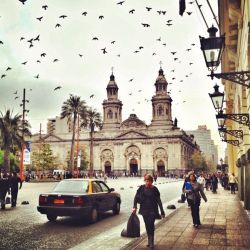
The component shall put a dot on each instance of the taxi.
(85, 198)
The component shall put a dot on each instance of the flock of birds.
(32, 41)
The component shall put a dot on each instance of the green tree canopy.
(197, 162)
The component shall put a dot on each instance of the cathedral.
(131, 146)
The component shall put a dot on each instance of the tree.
(12, 129)
(43, 158)
(71, 109)
(197, 162)
(91, 120)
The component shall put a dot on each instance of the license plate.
(58, 201)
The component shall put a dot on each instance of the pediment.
(132, 134)
(51, 138)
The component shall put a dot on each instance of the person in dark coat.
(214, 181)
(148, 196)
(194, 194)
(14, 180)
(4, 188)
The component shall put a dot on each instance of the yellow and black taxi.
(81, 198)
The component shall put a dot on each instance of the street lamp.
(212, 48)
(217, 98)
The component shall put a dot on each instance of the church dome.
(133, 121)
(161, 78)
(112, 83)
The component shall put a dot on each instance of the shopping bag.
(133, 227)
(8, 199)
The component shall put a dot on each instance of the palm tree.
(91, 120)
(13, 129)
(71, 109)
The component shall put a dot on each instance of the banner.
(26, 154)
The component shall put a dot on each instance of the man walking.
(14, 180)
(4, 188)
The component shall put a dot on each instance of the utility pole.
(23, 121)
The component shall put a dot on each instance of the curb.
(137, 241)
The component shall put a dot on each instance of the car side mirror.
(111, 190)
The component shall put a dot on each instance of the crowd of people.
(9, 184)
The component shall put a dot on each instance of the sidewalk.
(225, 225)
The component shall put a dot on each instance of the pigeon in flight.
(173, 52)
(159, 39)
(3, 75)
(101, 17)
(141, 47)
(95, 38)
(58, 87)
(169, 24)
(24, 63)
(16, 97)
(37, 38)
(170, 20)
(43, 54)
(15, 93)
(38, 61)
(193, 44)
(104, 51)
(39, 18)
(30, 41)
(9, 68)
(22, 38)
(84, 13)
(31, 45)
(22, 1)
(55, 60)
(62, 16)
(91, 96)
(131, 79)
(121, 2)
(58, 25)
(132, 11)
(80, 55)
(189, 13)
(37, 76)
(112, 42)
(145, 25)
(148, 8)
(45, 7)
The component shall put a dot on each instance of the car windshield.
(72, 186)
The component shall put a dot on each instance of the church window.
(166, 111)
(110, 114)
(116, 115)
(160, 111)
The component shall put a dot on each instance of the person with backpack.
(148, 196)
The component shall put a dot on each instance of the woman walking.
(194, 193)
(148, 196)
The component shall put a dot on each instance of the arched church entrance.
(133, 167)
(161, 168)
(107, 167)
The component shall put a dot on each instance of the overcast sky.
(89, 73)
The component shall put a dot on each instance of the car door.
(109, 198)
(99, 196)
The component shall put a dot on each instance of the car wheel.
(51, 218)
(116, 208)
(93, 215)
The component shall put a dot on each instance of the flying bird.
(173, 52)
(45, 7)
(2, 76)
(38, 61)
(188, 49)
(101, 17)
(148, 8)
(104, 51)
(30, 41)
(91, 96)
(169, 24)
(131, 79)
(193, 44)
(62, 16)
(43, 54)
(55, 60)
(9, 68)
(159, 39)
(159, 12)
(24, 63)
(145, 25)
(22, 38)
(80, 55)
(37, 76)
(121, 2)
(141, 47)
(132, 11)
(112, 42)
(136, 51)
(58, 87)
(16, 97)
(163, 12)
(189, 13)
(84, 13)
(39, 18)
(58, 25)
(37, 38)
(22, 1)
(190, 63)
(153, 54)
(170, 20)
(95, 38)
(164, 44)
(31, 45)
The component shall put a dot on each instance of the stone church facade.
(131, 146)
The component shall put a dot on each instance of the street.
(25, 228)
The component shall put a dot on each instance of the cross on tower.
(160, 63)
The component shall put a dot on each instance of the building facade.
(234, 19)
(130, 146)
(202, 136)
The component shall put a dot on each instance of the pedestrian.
(105, 177)
(194, 196)
(148, 196)
(214, 182)
(4, 188)
(14, 180)
(155, 177)
(201, 180)
(232, 183)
